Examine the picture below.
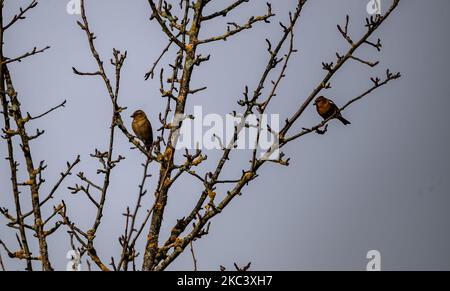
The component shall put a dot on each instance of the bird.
(142, 128)
(326, 108)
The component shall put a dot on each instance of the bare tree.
(182, 27)
(15, 127)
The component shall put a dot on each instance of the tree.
(182, 28)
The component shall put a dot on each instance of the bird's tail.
(149, 142)
(343, 120)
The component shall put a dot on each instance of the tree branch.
(21, 14)
(35, 51)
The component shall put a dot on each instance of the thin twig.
(1, 262)
(35, 51)
(21, 14)
(193, 256)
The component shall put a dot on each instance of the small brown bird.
(326, 108)
(142, 128)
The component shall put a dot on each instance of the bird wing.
(148, 135)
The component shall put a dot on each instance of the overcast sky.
(380, 183)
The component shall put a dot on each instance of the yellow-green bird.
(326, 108)
(142, 128)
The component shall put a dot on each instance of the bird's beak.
(132, 116)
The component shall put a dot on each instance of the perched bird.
(326, 108)
(142, 128)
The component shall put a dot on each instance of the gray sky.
(381, 183)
